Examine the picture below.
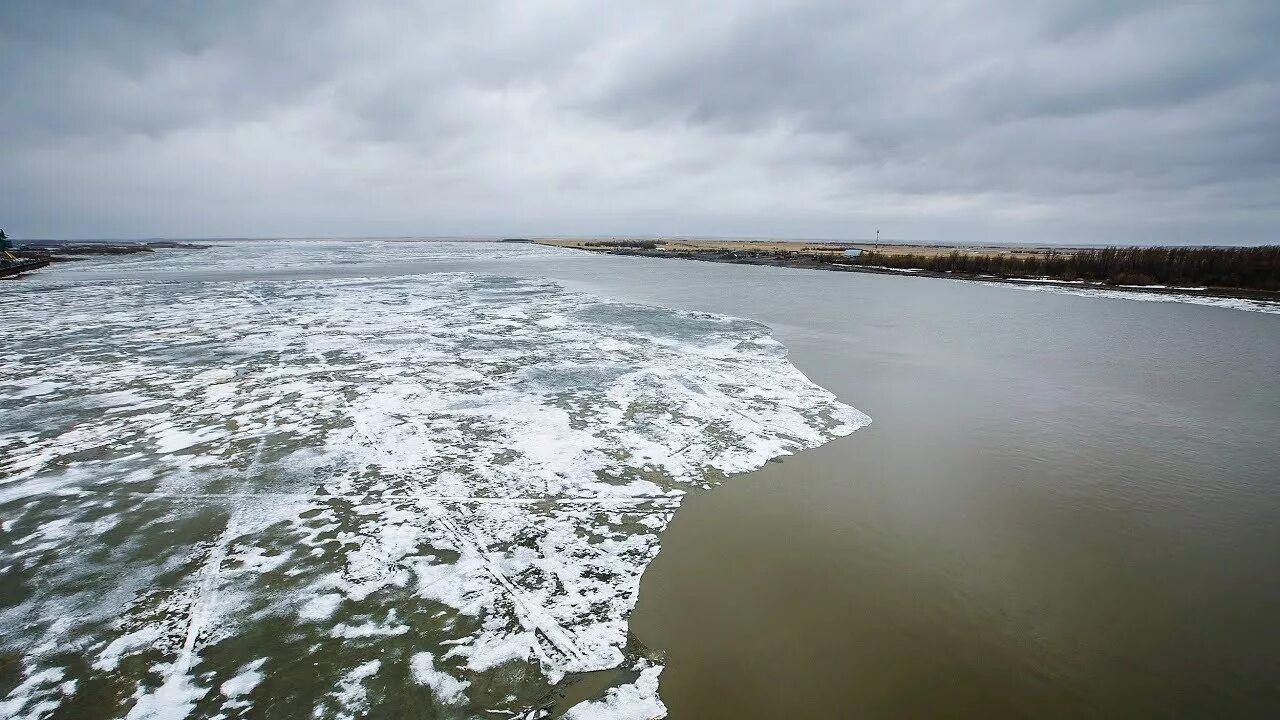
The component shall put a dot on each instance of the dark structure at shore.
(12, 265)
(36, 254)
(52, 248)
(11, 268)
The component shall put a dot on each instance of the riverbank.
(1034, 525)
(901, 259)
(59, 251)
(37, 254)
(12, 269)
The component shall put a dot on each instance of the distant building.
(852, 252)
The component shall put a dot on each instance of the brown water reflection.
(1066, 507)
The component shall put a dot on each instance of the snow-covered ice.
(325, 488)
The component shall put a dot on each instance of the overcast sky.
(984, 120)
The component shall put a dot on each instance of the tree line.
(629, 244)
(1253, 268)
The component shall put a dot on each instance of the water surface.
(237, 483)
(1066, 507)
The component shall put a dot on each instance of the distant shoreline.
(37, 255)
(828, 256)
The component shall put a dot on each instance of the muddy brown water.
(1065, 507)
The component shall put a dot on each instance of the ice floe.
(332, 486)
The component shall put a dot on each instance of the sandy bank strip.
(817, 255)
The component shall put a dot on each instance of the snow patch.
(446, 689)
(635, 701)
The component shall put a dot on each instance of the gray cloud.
(988, 120)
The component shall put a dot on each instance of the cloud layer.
(987, 120)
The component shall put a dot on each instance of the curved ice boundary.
(1262, 306)
(326, 497)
